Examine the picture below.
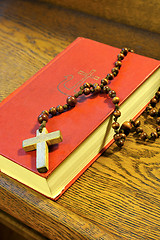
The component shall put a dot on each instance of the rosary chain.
(88, 88)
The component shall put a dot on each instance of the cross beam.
(40, 143)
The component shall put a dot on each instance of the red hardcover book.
(86, 128)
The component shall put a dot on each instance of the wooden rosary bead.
(59, 109)
(95, 85)
(97, 89)
(148, 108)
(106, 89)
(115, 125)
(143, 136)
(86, 91)
(139, 130)
(86, 85)
(45, 112)
(104, 81)
(127, 126)
(42, 117)
(112, 94)
(122, 136)
(115, 100)
(116, 136)
(115, 71)
(137, 123)
(153, 102)
(71, 101)
(158, 130)
(53, 111)
(120, 142)
(158, 120)
(124, 51)
(154, 135)
(153, 112)
(118, 64)
(110, 76)
(117, 113)
(65, 106)
(120, 56)
(158, 94)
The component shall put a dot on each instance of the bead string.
(89, 88)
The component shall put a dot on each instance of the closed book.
(86, 128)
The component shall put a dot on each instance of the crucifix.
(40, 143)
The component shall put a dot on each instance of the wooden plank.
(45, 216)
(136, 13)
(119, 193)
(16, 229)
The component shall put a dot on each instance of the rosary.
(44, 139)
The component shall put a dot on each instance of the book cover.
(83, 61)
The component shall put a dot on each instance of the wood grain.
(139, 14)
(13, 229)
(118, 196)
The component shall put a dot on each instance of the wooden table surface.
(118, 196)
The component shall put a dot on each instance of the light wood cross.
(40, 143)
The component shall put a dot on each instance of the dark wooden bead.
(158, 94)
(148, 108)
(115, 100)
(120, 142)
(97, 89)
(117, 113)
(139, 130)
(104, 81)
(86, 85)
(120, 56)
(143, 136)
(158, 114)
(112, 94)
(45, 112)
(124, 51)
(65, 107)
(59, 109)
(115, 71)
(158, 120)
(137, 123)
(116, 136)
(154, 135)
(122, 136)
(53, 111)
(130, 50)
(106, 89)
(110, 76)
(86, 91)
(153, 102)
(42, 117)
(158, 130)
(71, 101)
(127, 126)
(115, 125)
(153, 112)
(118, 64)
(95, 85)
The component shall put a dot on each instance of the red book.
(84, 126)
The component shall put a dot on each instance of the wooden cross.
(40, 143)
